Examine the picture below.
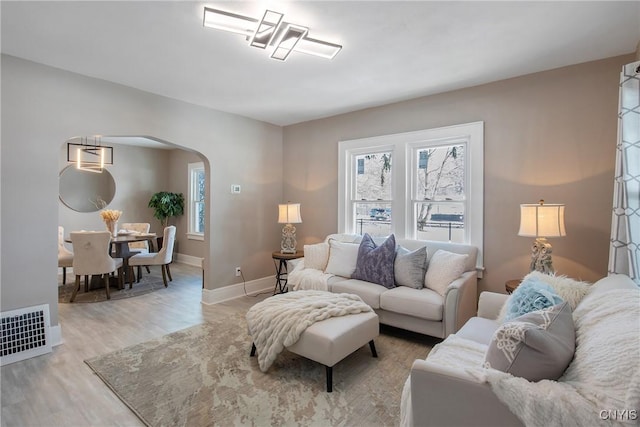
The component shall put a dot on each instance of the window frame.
(404, 148)
(193, 170)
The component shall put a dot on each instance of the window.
(195, 208)
(418, 185)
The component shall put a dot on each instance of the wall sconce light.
(89, 156)
(271, 31)
(289, 214)
(541, 221)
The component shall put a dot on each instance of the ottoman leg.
(253, 349)
(329, 379)
(372, 346)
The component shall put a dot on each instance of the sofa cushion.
(342, 258)
(410, 267)
(375, 263)
(536, 346)
(478, 329)
(422, 303)
(532, 294)
(444, 267)
(316, 256)
(570, 290)
(367, 291)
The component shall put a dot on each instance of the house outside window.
(425, 185)
(196, 202)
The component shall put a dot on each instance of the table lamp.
(541, 221)
(289, 214)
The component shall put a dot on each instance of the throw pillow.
(316, 256)
(342, 258)
(375, 263)
(410, 267)
(571, 291)
(532, 294)
(537, 346)
(444, 268)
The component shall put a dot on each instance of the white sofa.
(420, 310)
(601, 385)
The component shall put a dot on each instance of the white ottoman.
(331, 340)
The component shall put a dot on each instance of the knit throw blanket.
(278, 321)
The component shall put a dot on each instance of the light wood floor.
(59, 389)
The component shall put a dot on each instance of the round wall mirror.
(85, 191)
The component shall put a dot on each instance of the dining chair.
(141, 247)
(162, 258)
(65, 256)
(91, 257)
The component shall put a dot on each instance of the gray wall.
(42, 107)
(549, 135)
(138, 173)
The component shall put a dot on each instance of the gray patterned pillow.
(375, 263)
(538, 345)
(410, 267)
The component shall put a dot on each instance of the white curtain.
(624, 253)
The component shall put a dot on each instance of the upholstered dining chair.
(162, 258)
(140, 247)
(91, 257)
(65, 256)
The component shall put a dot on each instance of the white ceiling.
(393, 50)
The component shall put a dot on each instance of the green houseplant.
(166, 205)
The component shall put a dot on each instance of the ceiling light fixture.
(271, 31)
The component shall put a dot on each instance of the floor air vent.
(25, 334)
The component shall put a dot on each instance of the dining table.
(120, 249)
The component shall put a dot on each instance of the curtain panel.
(624, 252)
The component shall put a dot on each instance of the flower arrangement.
(110, 218)
(110, 215)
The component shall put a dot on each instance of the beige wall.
(179, 166)
(548, 135)
(42, 107)
(138, 173)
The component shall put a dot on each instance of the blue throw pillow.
(532, 294)
(375, 263)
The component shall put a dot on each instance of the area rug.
(148, 283)
(204, 376)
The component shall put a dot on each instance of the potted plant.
(166, 205)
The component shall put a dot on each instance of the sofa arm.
(446, 396)
(490, 304)
(460, 302)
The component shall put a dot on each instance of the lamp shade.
(540, 220)
(289, 213)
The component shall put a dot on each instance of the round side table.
(280, 261)
(511, 285)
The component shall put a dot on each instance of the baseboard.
(55, 333)
(189, 260)
(226, 293)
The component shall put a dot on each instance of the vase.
(112, 226)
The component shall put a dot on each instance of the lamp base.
(288, 244)
(541, 256)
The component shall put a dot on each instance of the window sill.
(192, 236)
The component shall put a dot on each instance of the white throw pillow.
(343, 258)
(316, 256)
(444, 268)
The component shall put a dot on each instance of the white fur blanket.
(302, 278)
(278, 321)
(603, 376)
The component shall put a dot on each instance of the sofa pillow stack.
(386, 264)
